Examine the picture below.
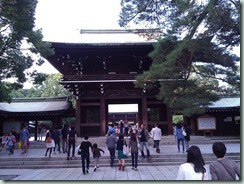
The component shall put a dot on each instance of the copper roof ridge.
(116, 31)
(40, 99)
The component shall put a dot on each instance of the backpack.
(71, 135)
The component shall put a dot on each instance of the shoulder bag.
(227, 170)
(49, 139)
(125, 150)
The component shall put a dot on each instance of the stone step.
(104, 161)
(166, 140)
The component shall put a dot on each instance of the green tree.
(50, 87)
(194, 48)
(19, 43)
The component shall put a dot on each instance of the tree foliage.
(19, 43)
(50, 87)
(193, 53)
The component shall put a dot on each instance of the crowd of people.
(9, 140)
(64, 141)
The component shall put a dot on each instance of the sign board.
(206, 123)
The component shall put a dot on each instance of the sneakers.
(95, 168)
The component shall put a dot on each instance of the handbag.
(49, 140)
(138, 144)
(125, 150)
(184, 132)
(13, 140)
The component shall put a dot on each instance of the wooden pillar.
(169, 120)
(36, 130)
(102, 116)
(144, 110)
(78, 116)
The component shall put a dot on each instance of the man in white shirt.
(156, 134)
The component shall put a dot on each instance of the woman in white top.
(194, 168)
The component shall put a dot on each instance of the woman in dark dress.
(120, 143)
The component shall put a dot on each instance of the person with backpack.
(71, 139)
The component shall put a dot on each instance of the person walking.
(188, 134)
(157, 136)
(179, 137)
(24, 137)
(50, 144)
(111, 129)
(56, 137)
(120, 143)
(223, 168)
(71, 139)
(64, 133)
(96, 155)
(194, 168)
(39, 133)
(150, 134)
(111, 145)
(15, 134)
(85, 154)
(121, 127)
(133, 150)
(143, 136)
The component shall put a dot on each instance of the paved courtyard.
(144, 173)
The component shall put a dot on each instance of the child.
(10, 143)
(96, 155)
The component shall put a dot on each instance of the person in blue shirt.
(111, 129)
(24, 137)
(179, 137)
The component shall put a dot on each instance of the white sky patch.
(64, 18)
(113, 108)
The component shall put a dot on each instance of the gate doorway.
(127, 113)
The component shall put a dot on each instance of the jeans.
(187, 144)
(71, 143)
(112, 155)
(57, 144)
(64, 145)
(134, 157)
(182, 143)
(142, 145)
(156, 142)
(85, 161)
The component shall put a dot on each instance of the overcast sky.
(61, 20)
